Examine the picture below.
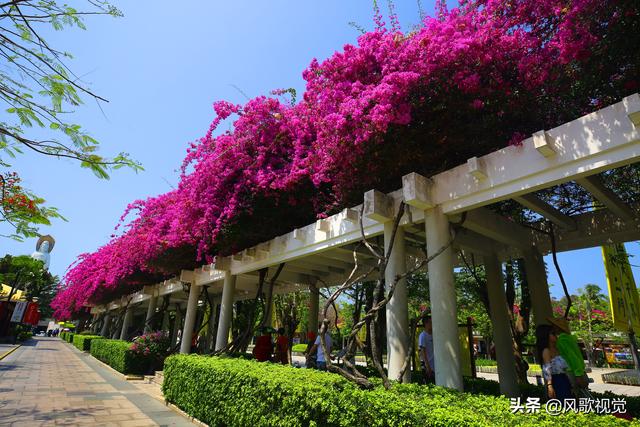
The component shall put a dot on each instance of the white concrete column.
(442, 291)
(538, 286)
(397, 308)
(105, 325)
(501, 327)
(151, 311)
(177, 325)
(126, 322)
(314, 305)
(94, 323)
(226, 310)
(190, 319)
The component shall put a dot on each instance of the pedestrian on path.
(555, 369)
(264, 347)
(316, 349)
(425, 344)
(282, 348)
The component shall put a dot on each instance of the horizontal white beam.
(593, 143)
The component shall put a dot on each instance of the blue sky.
(161, 69)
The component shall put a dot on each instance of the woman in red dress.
(282, 348)
(264, 347)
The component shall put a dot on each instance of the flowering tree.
(21, 209)
(472, 80)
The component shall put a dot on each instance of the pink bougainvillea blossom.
(471, 80)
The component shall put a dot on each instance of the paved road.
(48, 382)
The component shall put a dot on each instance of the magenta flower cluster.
(470, 80)
(154, 344)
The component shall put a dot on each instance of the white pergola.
(322, 252)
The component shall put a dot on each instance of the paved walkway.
(48, 382)
(5, 349)
(598, 386)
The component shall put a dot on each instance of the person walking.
(425, 344)
(316, 349)
(264, 347)
(282, 348)
(555, 369)
(568, 348)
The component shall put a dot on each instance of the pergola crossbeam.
(532, 202)
(615, 204)
(496, 227)
(603, 140)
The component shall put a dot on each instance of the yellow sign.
(623, 295)
(465, 351)
(6, 290)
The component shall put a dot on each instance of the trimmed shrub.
(83, 342)
(235, 392)
(69, 337)
(486, 362)
(118, 355)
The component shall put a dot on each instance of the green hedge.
(492, 388)
(486, 362)
(116, 354)
(236, 392)
(67, 336)
(83, 342)
(299, 348)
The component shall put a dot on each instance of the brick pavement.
(48, 382)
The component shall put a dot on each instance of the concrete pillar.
(501, 327)
(538, 286)
(151, 311)
(226, 310)
(94, 323)
(105, 325)
(177, 325)
(190, 319)
(126, 322)
(397, 308)
(116, 333)
(442, 291)
(314, 304)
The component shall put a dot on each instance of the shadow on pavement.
(58, 417)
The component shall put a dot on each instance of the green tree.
(38, 90)
(591, 316)
(28, 275)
